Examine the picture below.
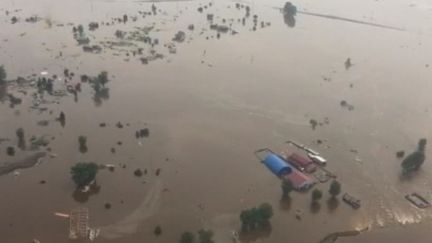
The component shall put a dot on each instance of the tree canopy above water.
(415, 160)
(84, 173)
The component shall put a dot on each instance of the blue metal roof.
(277, 165)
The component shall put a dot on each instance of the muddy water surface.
(209, 106)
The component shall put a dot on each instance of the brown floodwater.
(209, 106)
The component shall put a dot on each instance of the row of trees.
(204, 236)
(334, 190)
(256, 217)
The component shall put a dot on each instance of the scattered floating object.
(352, 201)
(44, 73)
(418, 200)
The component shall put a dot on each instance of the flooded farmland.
(170, 99)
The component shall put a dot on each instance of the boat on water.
(352, 201)
(418, 200)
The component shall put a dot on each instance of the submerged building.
(302, 163)
(278, 166)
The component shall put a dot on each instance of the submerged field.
(211, 90)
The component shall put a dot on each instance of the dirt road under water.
(209, 101)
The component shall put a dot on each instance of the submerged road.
(350, 20)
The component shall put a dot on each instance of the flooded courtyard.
(192, 89)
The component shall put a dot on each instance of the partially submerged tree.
(254, 218)
(205, 236)
(2, 75)
(316, 195)
(265, 211)
(82, 140)
(415, 160)
(62, 119)
(289, 12)
(157, 231)
(10, 151)
(84, 173)
(287, 187)
(187, 237)
(21, 140)
(289, 9)
(335, 188)
(20, 133)
(102, 78)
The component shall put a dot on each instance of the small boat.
(418, 200)
(352, 201)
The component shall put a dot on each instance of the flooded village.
(215, 121)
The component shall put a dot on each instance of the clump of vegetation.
(187, 237)
(256, 218)
(45, 84)
(84, 173)
(335, 188)
(145, 132)
(415, 160)
(313, 123)
(99, 86)
(80, 29)
(82, 140)
(3, 75)
(93, 26)
(316, 195)
(157, 231)
(205, 236)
